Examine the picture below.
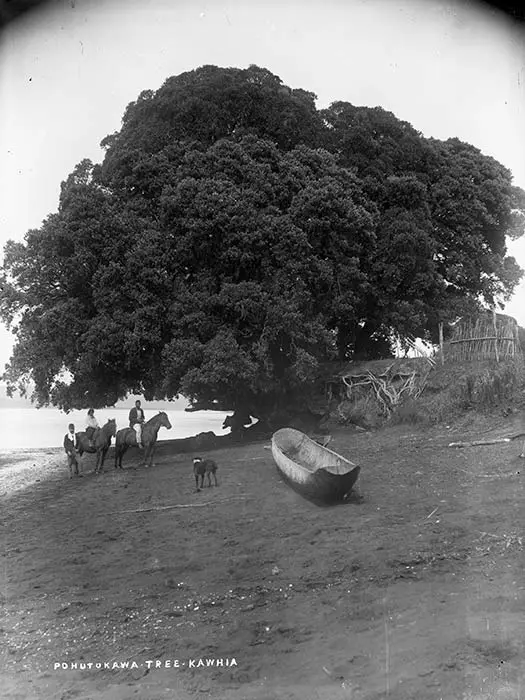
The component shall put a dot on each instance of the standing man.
(70, 447)
(136, 419)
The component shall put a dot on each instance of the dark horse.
(127, 437)
(101, 442)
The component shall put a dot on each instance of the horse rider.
(136, 419)
(91, 426)
(70, 447)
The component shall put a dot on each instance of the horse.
(101, 442)
(127, 437)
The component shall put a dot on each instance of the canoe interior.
(307, 453)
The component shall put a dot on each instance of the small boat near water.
(319, 474)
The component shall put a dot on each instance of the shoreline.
(23, 467)
(23, 470)
(30, 428)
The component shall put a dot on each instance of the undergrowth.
(456, 388)
(364, 411)
(450, 391)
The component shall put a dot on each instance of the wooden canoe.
(316, 472)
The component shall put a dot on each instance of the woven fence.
(485, 337)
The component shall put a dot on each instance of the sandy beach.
(21, 468)
(132, 585)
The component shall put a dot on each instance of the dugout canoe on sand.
(317, 473)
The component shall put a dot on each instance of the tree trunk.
(300, 419)
(370, 343)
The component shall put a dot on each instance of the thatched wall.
(484, 337)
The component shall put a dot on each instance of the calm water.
(30, 427)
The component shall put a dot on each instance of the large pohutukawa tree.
(229, 292)
(233, 238)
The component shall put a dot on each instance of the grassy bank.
(450, 391)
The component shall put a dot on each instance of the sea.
(26, 427)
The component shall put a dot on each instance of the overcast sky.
(67, 72)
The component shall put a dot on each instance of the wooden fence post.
(441, 343)
(494, 321)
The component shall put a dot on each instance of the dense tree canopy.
(234, 237)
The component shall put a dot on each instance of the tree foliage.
(234, 237)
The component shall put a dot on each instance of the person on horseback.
(136, 419)
(91, 426)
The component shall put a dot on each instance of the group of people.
(71, 446)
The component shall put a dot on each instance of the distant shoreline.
(174, 405)
(24, 428)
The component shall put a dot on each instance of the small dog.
(203, 467)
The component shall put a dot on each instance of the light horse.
(127, 437)
(101, 442)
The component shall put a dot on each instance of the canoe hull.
(298, 460)
(324, 488)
